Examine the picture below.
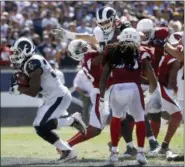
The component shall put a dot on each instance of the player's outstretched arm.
(104, 78)
(172, 81)
(150, 75)
(174, 51)
(34, 83)
(65, 34)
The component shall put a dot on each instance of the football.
(22, 79)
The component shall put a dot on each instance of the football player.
(108, 28)
(168, 70)
(154, 38)
(57, 98)
(106, 31)
(122, 64)
(90, 59)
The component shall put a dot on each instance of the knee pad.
(46, 134)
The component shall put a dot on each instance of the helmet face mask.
(22, 49)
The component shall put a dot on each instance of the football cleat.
(114, 156)
(130, 152)
(140, 158)
(159, 151)
(68, 155)
(170, 156)
(78, 123)
(153, 145)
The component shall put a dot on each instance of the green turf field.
(22, 142)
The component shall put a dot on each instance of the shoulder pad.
(32, 65)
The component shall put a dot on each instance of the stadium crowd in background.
(36, 20)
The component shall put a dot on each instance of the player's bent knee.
(51, 124)
(177, 116)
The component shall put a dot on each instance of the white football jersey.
(51, 85)
(101, 36)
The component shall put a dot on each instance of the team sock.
(115, 128)
(140, 133)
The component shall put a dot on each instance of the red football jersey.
(120, 74)
(164, 69)
(93, 72)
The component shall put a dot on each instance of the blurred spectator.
(4, 26)
(83, 28)
(36, 19)
(5, 52)
(175, 24)
(49, 22)
(167, 12)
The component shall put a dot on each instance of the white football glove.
(63, 34)
(14, 90)
(101, 105)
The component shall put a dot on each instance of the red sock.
(79, 137)
(140, 133)
(172, 126)
(115, 130)
(155, 125)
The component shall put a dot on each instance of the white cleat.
(78, 123)
(159, 151)
(114, 156)
(140, 158)
(68, 155)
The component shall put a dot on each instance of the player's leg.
(45, 128)
(149, 134)
(117, 105)
(155, 123)
(136, 108)
(153, 105)
(171, 106)
(127, 126)
(95, 124)
(48, 118)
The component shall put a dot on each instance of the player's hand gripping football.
(14, 85)
(63, 34)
